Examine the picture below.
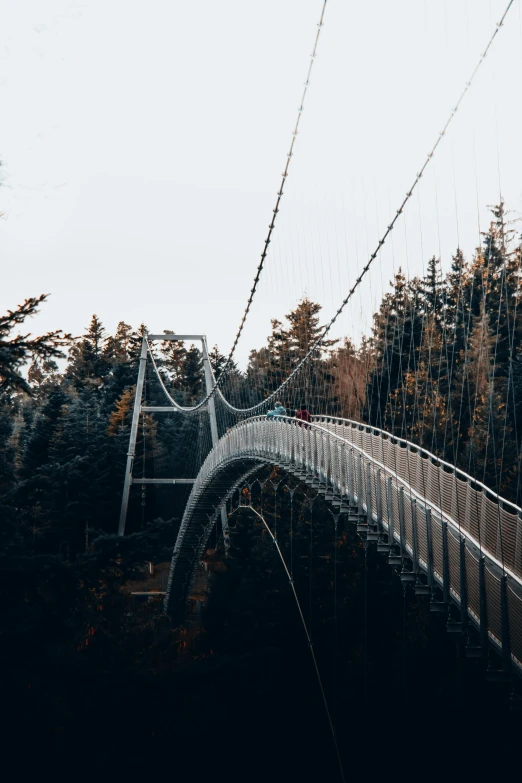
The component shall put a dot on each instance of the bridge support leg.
(132, 440)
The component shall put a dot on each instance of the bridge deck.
(457, 534)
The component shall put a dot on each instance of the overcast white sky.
(143, 144)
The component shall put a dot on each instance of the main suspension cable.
(315, 347)
(280, 194)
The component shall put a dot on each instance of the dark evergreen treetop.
(16, 351)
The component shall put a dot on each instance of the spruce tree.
(16, 351)
(89, 363)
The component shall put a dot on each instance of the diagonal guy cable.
(307, 633)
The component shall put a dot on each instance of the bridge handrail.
(506, 566)
(410, 445)
(469, 548)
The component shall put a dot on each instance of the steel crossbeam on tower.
(163, 480)
(158, 409)
(194, 338)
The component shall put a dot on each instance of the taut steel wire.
(316, 345)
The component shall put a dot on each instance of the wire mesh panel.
(373, 486)
(395, 508)
(357, 477)
(454, 562)
(378, 447)
(361, 481)
(412, 469)
(493, 604)
(357, 437)
(369, 444)
(474, 511)
(462, 503)
(515, 622)
(454, 513)
(422, 533)
(408, 524)
(369, 494)
(472, 583)
(436, 537)
(433, 491)
(395, 463)
(321, 456)
(385, 449)
(401, 459)
(384, 497)
(423, 475)
(337, 450)
(492, 521)
(350, 472)
(446, 481)
(509, 523)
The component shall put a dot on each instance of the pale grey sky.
(143, 145)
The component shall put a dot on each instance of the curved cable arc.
(176, 405)
(275, 211)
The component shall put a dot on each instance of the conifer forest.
(96, 677)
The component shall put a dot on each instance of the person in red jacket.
(303, 415)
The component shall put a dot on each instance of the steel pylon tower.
(139, 408)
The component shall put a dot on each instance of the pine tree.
(88, 360)
(350, 378)
(43, 430)
(192, 371)
(121, 416)
(173, 358)
(217, 361)
(18, 350)
(395, 343)
(117, 349)
(430, 292)
(486, 404)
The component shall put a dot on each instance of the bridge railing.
(494, 522)
(447, 524)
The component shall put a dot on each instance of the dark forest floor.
(259, 716)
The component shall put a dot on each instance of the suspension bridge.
(449, 536)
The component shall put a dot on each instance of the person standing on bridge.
(277, 412)
(303, 415)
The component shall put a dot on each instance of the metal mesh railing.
(397, 485)
(495, 523)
